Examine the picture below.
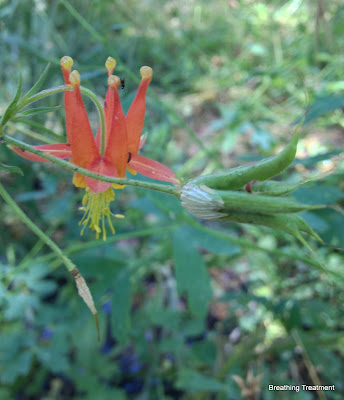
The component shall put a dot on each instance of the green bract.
(219, 196)
(248, 203)
(237, 178)
(272, 188)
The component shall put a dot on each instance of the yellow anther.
(119, 216)
(110, 64)
(97, 211)
(113, 81)
(146, 72)
(74, 78)
(66, 62)
(117, 186)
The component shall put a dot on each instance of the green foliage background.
(184, 305)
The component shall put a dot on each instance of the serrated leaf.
(38, 110)
(121, 304)
(7, 114)
(11, 168)
(191, 274)
(38, 84)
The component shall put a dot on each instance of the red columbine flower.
(122, 143)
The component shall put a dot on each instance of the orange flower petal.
(101, 166)
(59, 150)
(108, 110)
(66, 66)
(152, 169)
(117, 145)
(84, 149)
(136, 114)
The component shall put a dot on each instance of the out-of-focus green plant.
(242, 300)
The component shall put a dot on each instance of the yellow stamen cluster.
(96, 207)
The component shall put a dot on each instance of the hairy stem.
(130, 182)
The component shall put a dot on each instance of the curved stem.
(59, 89)
(20, 213)
(93, 97)
(26, 101)
(42, 95)
(130, 182)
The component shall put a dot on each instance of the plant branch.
(129, 182)
(20, 213)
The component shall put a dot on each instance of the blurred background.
(188, 309)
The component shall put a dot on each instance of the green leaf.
(38, 84)
(37, 110)
(191, 274)
(55, 356)
(210, 242)
(39, 127)
(321, 106)
(7, 114)
(121, 304)
(11, 168)
(205, 352)
(19, 365)
(18, 303)
(311, 161)
(5, 394)
(319, 194)
(195, 382)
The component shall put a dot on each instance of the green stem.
(250, 245)
(93, 97)
(28, 132)
(32, 254)
(41, 95)
(121, 181)
(20, 213)
(44, 93)
(26, 101)
(80, 247)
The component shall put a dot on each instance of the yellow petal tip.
(110, 64)
(114, 81)
(74, 78)
(66, 62)
(146, 72)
